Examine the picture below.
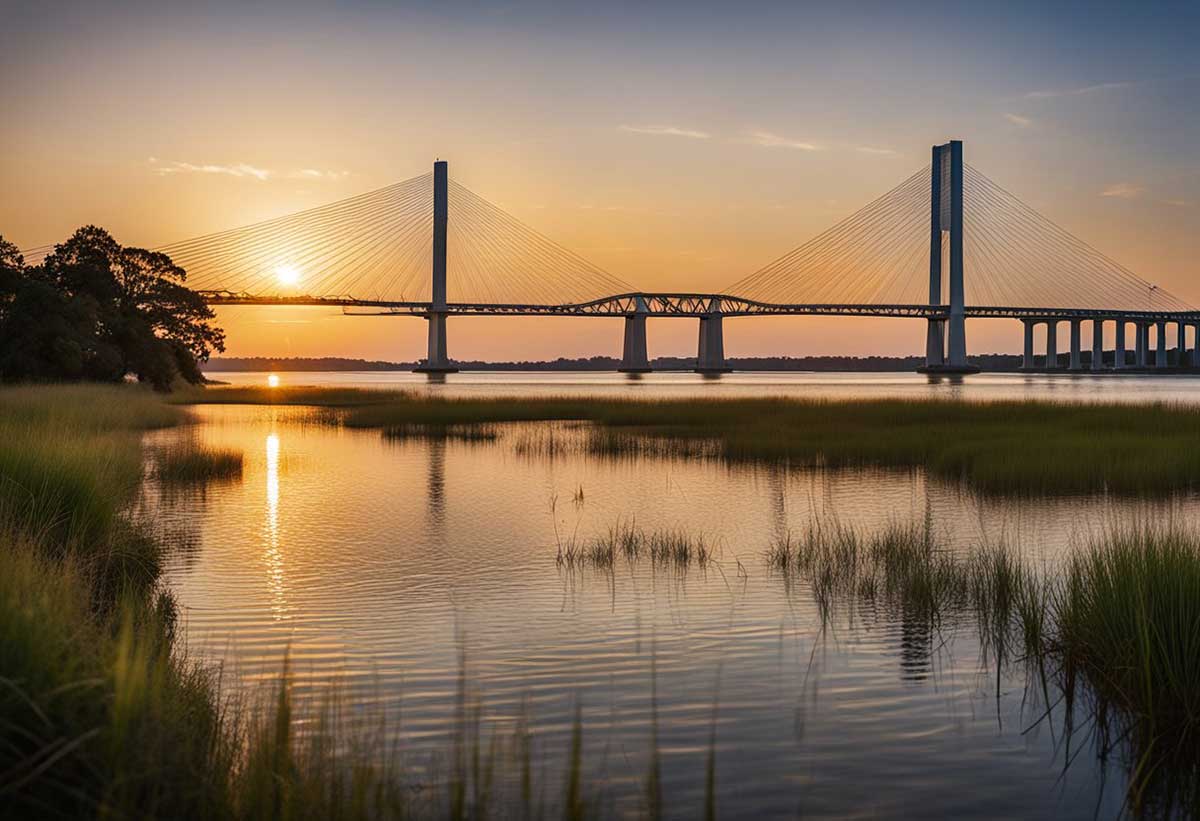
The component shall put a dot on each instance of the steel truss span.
(690, 305)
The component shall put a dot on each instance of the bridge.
(945, 245)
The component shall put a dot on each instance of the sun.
(272, 380)
(287, 275)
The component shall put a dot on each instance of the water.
(1059, 387)
(381, 565)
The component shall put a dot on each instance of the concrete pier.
(935, 344)
(1076, 362)
(1119, 345)
(1160, 353)
(710, 354)
(1097, 344)
(1142, 335)
(436, 360)
(1051, 344)
(633, 354)
(1027, 359)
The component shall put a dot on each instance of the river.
(388, 569)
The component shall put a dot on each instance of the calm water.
(1074, 388)
(378, 562)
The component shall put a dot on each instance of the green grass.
(1002, 447)
(1119, 626)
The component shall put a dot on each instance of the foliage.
(98, 311)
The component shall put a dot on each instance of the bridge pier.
(436, 360)
(1027, 358)
(1119, 345)
(633, 353)
(710, 354)
(1075, 361)
(1097, 344)
(1051, 344)
(935, 344)
(1142, 330)
(1160, 353)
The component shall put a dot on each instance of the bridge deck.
(692, 305)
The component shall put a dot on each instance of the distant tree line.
(95, 310)
(862, 364)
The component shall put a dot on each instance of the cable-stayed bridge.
(945, 245)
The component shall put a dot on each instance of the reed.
(673, 548)
(191, 462)
(1120, 626)
(307, 395)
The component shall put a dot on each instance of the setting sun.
(287, 275)
(272, 380)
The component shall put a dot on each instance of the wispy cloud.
(235, 170)
(768, 140)
(243, 170)
(1018, 120)
(317, 174)
(666, 131)
(1180, 203)
(1046, 94)
(1122, 190)
(878, 152)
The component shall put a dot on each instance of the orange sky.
(678, 151)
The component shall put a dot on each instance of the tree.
(96, 310)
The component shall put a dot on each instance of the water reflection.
(436, 484)
(273, 556)
(389, 547)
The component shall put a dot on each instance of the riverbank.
(123, 723)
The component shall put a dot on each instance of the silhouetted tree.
(96, 310)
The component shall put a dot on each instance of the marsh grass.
(670, 548)
(442, 433)
(191, 461)
(307, 395)
(1017, 447)
(1119, 627)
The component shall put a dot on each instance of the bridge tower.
(436, 360)
(946, 339)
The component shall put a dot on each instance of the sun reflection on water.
(272, 554)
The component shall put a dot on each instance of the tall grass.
(676, 548)
(1119, 626)
(101, 715)
(191, 461)
(1023, 447)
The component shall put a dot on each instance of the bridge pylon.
(436, 359)
(946, 339)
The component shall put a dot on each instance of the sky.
(679, 146)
